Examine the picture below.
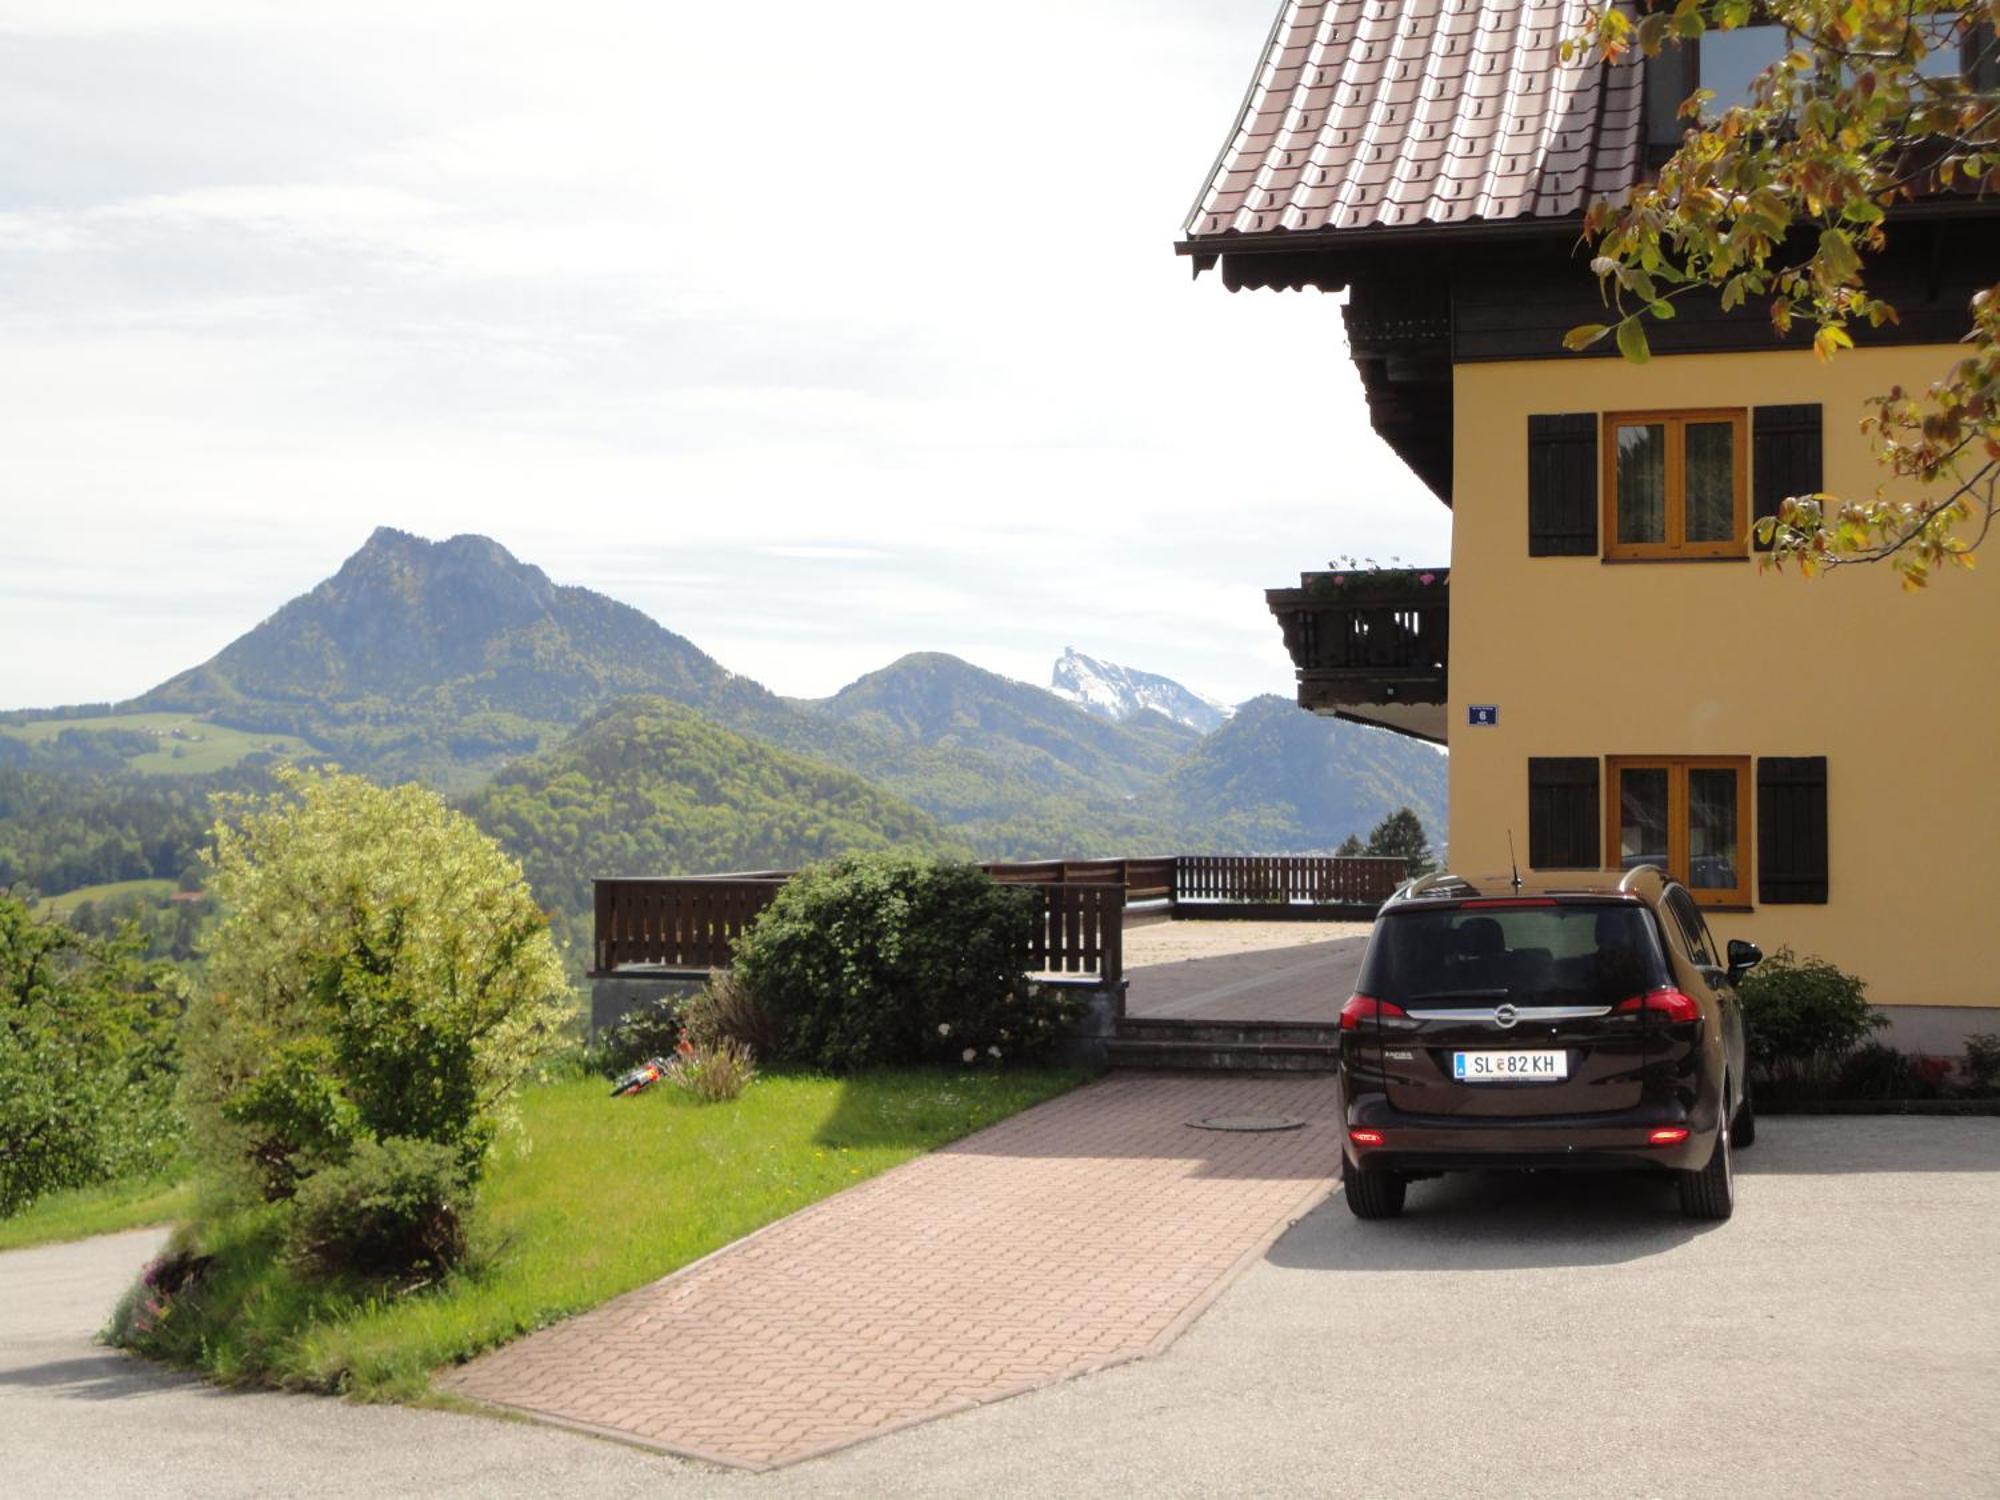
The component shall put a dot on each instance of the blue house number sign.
(1486, 715)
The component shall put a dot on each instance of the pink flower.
(1427, 578)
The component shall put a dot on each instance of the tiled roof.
(1406, 112)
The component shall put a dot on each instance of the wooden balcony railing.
(692, 922)
(1373, 639)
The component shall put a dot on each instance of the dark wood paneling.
(1564, 813)
(1791, 830)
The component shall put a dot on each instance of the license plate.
(1510, 1067)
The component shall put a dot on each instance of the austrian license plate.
(1509, 1067)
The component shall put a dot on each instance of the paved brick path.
(1081, 1233)
(1305, 983)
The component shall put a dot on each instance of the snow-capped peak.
(1114, 692)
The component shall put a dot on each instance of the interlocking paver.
(1077, 1234)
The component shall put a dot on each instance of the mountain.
(1275, 778)
(649, 787)
(931, 699)
(443, 659)
(1119, 693)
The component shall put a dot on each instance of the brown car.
(1574, 1021)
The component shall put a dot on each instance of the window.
(1700, 946)
(1687, 814)
(1675, 484)
(1576, 953)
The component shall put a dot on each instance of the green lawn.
(188, 745)
(608, 1195)
(82, 1212)
(69, 901)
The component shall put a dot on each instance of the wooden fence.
(693, 921)
(1286, 879)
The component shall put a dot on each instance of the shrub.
(394, 1208)
(712, 1072)
(884, 958)
(88, 1059)
(380, 971)
(1878, 1071)
(1982, 1062)
(728, 1010)
(1802, 1017)
(650, 1029)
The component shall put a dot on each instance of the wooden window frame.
(1677, 768)
(1676, 548)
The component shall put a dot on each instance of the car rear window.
(1576, 953)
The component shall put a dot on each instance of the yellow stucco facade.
(1900, 692)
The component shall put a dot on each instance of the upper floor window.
(1676, 484)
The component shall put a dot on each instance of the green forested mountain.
(1275, 778)
(444, 659)
(59, 831)
(649, 787)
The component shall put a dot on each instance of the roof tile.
(1422, 111)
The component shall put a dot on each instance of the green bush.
(1877, 1071)
(1802, 1016)
(395, 1207)
(380, 972)
(88, 1059)
(1982, 1063)
(650, 1029)
(713, 1072)
(884, 959)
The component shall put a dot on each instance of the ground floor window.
(1687, 814)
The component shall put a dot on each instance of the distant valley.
(592, 740)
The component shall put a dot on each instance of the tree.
(87, 1058)
(1784, 198)
(1401, 836)
(380, 972)
(1350, 847)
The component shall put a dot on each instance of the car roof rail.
(1424, 885)
(1633, 876)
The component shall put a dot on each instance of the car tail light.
(1360, 1008)
(1374, 1137)
(1667, 1135)
(1670, 1003)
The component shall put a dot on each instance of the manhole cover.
(1248, 1122)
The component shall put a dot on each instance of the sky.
(821, 333)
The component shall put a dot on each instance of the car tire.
(1373, 1193)
(1710, 1192)
(1743, 1129)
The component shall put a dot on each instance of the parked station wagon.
(1567, 1022)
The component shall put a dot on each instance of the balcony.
(1371, 645)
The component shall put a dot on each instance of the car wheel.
(1373, 1193)
(1710, 1192)
(1743, 1130)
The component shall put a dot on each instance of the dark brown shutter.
(1786, 457)
(1979, 60)
(1791, 830)
(1563, 813)
(1562, 485)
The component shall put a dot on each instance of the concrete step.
(1229, 1033)
(1223, 1057)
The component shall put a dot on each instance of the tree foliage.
(87, 1059)
(1781, 199)
(380, 972)
(1401, 836)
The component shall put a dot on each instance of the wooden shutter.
(1791, 830)
(1563, 813)
(1786, 458)
(1562, 485)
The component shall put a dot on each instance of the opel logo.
(1506, 1015)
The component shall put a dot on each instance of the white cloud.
(676, 301)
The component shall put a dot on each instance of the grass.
(599, 1196)
(188, 745)
(69, 901)
(82, 1212)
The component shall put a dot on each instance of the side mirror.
(1743, 957)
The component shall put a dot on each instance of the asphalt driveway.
(1548, 1338)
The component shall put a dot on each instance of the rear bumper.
(1432, 1143)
